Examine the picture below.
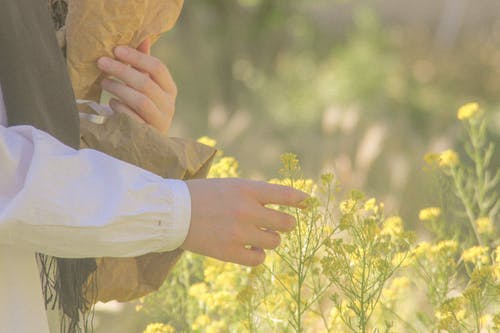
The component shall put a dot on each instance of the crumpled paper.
(141, 144)
(95, 27)
(124, 279)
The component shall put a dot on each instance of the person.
(70, 203)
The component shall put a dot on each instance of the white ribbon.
(103, 111)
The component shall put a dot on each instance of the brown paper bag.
(95, 27)
(124, 279)
(142, 145)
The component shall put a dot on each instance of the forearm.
(69, 203)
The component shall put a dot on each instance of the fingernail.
(304, 203)
(121, 51)
(104, 62)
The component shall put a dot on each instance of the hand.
(147, 91)
(229, 220)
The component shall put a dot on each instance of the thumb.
(145, 46)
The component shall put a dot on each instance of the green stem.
(463, 197)
(404, 322)
(300, 268)
(362, 315)
(476, 315)
(479, 168)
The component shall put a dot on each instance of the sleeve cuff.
(177, 228)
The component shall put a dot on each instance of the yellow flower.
(393, 226)
(451, 313)
(460, 314)
(305, 185)
(327, 229)
(496, 272)
(273, 301)
(159, 328)
(486, 320)
(400, 282)
(476, 254)
(226, 167)
(201, 322)
(446, 247)
(430, 213)
(222, 300)
(290, 163)
(496, 321)
(246, 294)
(484, 225)
(371, 205)
(347, 206)
(448, 158)
(198, 289)
(327, 178)
(335, 319)
(422, 249)
(467, 111)
(347, 311)
(207, 141)
(402, 258)
(431, 158)
(217, 326)
(396, 289)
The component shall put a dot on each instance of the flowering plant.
(347, 267)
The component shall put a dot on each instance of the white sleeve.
(82, 203)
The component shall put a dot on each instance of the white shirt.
(73, 203)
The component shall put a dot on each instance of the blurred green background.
(361, 88)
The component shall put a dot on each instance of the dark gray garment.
(35, 83)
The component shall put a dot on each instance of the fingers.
(274, 220)
(251, 213)
(153, 91)
(268, 193)
(138, 102)
(256, 237)
(252, 256)
(118, 106)
(135, 79)
(145, 46)
(266, 239)
(148, 64)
